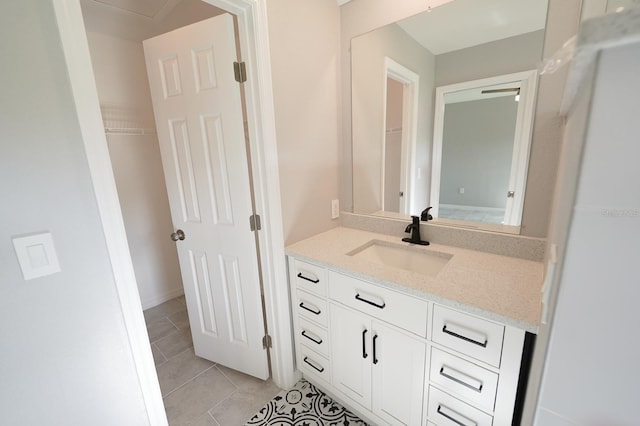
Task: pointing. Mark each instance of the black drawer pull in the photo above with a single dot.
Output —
(317, 342)
(458, 380)
(309, 309)
(319, 370)
(375, 360)
(316, 281)
(364, 344)
(465, 338)
(450, 415)
(358, 297)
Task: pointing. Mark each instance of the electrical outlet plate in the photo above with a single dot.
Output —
(335, 209)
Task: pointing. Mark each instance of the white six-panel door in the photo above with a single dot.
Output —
(198, 113)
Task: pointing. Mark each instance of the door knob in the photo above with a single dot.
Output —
(178, 235)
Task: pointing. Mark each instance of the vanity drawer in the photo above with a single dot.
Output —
(310, 277)
(313, 365)
(470, 382)
(313, 336)
(312, 307)
(445, 410)
(398, 309)
(467, 334)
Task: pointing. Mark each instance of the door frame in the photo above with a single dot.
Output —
(254, 45)
(528, 81)
(410, 89)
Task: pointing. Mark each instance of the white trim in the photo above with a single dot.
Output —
(164, 297)
(85, 95)
(410, 83)
(254, 44)
(252, 22)
(522, 139)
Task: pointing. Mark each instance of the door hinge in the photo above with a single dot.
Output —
(240, 71)
(254, 222)
(266, 342)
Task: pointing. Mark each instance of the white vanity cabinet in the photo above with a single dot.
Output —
(397, 359)
(373, 360)
(474, 370)
(310, 315)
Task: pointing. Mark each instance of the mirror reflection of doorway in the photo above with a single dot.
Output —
(477, 149)
(393, 193)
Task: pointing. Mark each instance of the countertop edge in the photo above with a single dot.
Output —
(523, 325)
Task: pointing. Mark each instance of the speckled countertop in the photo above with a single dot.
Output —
(501, 288)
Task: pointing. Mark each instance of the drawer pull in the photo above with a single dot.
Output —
(358, 297)
(309, 309)
(456, 331)
(364, 344)
(316, 281)
(461, 378)
(319, 370)
(375, 360)
(455, 417)
(316, 341)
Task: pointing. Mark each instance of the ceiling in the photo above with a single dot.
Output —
(464, 23)
(138, 20)
(455, 25)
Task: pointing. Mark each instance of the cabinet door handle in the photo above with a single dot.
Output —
(316, 281)
(358, 297)
(316, 341)
(375, 359)
(455, 331)
(461, 378)
(319, 370)
(455, 417)
(364, 344)
(309, 309)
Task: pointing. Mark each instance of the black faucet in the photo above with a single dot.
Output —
(414, 228)
(425, 215)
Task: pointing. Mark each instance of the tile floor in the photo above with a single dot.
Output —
(196, 391)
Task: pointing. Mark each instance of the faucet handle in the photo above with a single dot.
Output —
(425, 215)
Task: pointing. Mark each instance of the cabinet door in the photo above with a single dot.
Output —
(398, 365)
(351, 356)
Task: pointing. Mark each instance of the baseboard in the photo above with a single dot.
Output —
(150, 303)
(473, 208)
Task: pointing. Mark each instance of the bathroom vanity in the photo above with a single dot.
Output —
(413, 335)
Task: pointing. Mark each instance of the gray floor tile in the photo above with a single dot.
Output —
(158, 358)
(204, 420)
(193, 400)
(160, 328)
(241, 405)
(180, 369)
(248, 383)
(163, 310)
(175, 343)
(180, 319)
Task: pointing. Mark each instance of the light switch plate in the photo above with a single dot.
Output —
(36, 255)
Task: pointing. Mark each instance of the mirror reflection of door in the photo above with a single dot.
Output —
(478, 140)
(393, 192)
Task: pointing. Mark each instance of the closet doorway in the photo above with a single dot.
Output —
(205, 169)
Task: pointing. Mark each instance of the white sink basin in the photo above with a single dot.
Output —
(421, 261)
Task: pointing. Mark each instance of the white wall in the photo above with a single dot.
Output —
(506, 56)
(368, 111)
(65, 356)
(591, 371)
(304, 37)
(121, 80)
